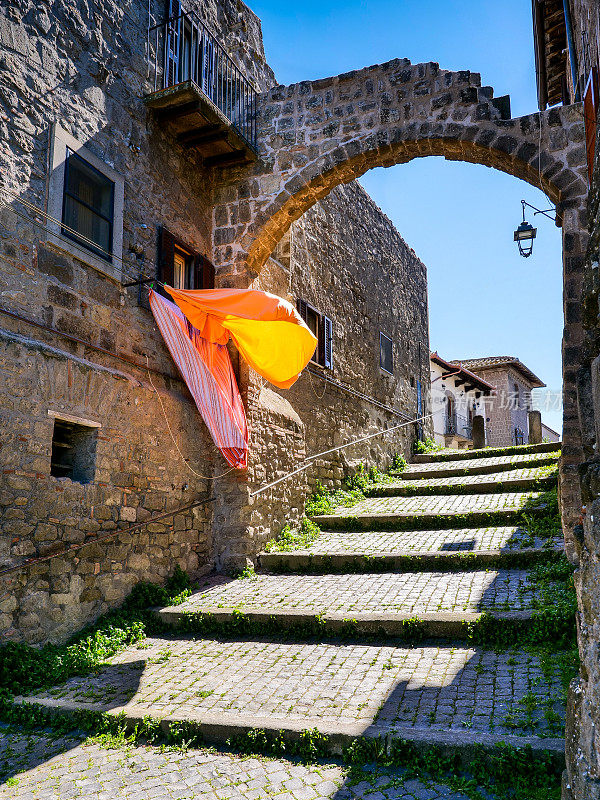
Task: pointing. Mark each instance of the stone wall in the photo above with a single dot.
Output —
(346, 259)
(583, 721)
(138, 475)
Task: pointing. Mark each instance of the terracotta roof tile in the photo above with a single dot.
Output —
(488, 362)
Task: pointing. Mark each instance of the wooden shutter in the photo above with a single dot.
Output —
(590, 113)
(302, 308)
(172, 45)
(204, 273)
(166, 259)
(326, 338)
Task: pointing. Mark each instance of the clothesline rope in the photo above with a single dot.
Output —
(110, 534)
(308, 461)
(183, 458)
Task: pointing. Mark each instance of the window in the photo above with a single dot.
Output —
(85, 203)
(386, 354)
(74, 450)
(321, 327)
(182, 267)
(516, 396)
(88, 206)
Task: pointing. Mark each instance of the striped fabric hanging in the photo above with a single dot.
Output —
(206, 368)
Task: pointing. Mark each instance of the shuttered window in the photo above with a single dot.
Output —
(321, 327)
(182, 267)
(386, 353)
(590, 112)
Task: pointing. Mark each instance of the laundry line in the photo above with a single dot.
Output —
(69, 550)
(308, 461)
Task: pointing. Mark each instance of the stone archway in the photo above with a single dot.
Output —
(316, 135)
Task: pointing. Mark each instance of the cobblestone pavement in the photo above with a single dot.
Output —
(469, 463)
(531, 473)
(438, 688)
(440, 504)
(69, 769)
(445, 693)
(409, 593)
(451, 540)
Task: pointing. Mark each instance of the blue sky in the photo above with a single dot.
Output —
(484, 299)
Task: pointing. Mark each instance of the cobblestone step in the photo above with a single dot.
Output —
(509, 481)
(477, 466)
(441, 511)
(452, 696)
(391, 604)
(459, 455)
(319, 563)
(69, 767)
(462, 540)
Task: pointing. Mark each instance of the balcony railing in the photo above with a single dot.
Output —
(458, 426)
(181, 49)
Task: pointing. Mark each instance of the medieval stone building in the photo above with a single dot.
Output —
(109, 177)
(137, 142)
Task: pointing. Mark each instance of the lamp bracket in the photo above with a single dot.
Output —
(537, 211)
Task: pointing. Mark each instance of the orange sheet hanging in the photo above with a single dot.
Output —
(267, 330)
(206, 368)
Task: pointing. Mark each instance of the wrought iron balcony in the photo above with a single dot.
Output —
(458, 426)
(200, 92)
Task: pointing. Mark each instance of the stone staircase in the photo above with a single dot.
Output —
(366, 631)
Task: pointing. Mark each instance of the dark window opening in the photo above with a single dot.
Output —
(181, 267)
(322, 328)
(516, 396)
(386, 354)
(73, 451)
(88, 206)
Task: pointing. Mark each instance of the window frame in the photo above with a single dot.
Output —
(90, 428)
(383, 336)
(199, 268)
(323, 354)
(61, 143)
(69, 232)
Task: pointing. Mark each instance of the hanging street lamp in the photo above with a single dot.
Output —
(526, 233)
(524, 236)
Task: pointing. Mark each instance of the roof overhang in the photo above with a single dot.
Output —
(518, 366)
(462, 376)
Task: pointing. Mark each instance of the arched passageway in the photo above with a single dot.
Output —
(315, 135)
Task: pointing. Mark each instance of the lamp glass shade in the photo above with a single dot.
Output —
(525, 231)
(524, 236)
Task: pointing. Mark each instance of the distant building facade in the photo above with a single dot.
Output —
(549, 435)
(457, 397)
(507, 411)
